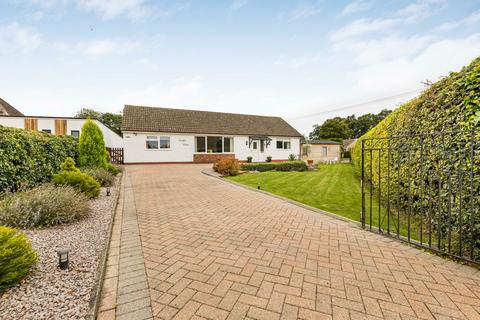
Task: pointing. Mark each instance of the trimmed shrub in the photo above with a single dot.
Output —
(275, 166)
(91, 146)
(102, 176)
(43, 206)
(17, 257)
(227, 167)
(30, 158)
(269, 159)
(449, 105)
(113, 169)
(249, 159)
(73, 177)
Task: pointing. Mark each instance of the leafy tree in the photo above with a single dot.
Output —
(88, 113)
(91, 146)
(334, 129)
(331, 128)
(111, 120)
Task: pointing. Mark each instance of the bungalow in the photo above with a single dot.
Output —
(11, 117)
(163, 135)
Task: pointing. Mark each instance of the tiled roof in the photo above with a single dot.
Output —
(320, 142)
(150, 119)
(7, 110)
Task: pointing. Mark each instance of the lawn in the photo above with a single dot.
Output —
(334, 188)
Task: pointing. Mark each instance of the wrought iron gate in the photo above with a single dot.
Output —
(424, 189)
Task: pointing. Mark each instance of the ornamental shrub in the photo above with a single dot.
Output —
(450, 105)
(249, 159)
(101, 175)
(16, 257)
(29, 158)
(43, 206)
(113, 169)
(275, 166)
(77, 179)
(269, 159)
(227, 167)
(91, 146)
(292, 157)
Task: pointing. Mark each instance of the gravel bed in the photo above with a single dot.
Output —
(51, 293)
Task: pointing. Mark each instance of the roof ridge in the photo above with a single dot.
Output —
(195, 110)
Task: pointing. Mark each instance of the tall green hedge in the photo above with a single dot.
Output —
(29, 158)
(426, 153)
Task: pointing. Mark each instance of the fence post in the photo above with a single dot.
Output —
(363, 185)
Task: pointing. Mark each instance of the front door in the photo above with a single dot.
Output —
(258, 150)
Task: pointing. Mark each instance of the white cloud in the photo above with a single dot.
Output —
(419, 10)
(15, 38)
(354, 7)
(470, 20)
(179, 92)
(238, 4)
(362, 27)
(106, 47)
(109, 9)
(304, 12)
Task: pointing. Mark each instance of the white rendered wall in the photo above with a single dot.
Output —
(112, 139)
(11, 122)
(182, 148)
(135, 150)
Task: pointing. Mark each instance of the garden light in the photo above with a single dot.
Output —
(108, 191)
(63, 258)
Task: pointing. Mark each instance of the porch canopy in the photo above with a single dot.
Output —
(259, 137)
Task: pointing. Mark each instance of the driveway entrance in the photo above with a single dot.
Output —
(213, 250)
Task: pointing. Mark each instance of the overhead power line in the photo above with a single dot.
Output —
(352, 106)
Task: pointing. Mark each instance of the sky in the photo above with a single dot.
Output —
(305, 61)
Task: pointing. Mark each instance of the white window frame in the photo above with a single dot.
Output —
(324, 154)
(232, 149)
(283, 140)
(160, 138)
(151, 138)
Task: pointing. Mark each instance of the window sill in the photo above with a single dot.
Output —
(170, 149)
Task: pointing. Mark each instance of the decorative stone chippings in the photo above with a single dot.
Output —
(51, 293)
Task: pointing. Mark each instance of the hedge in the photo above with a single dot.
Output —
(275, 166)
(450, 105)
(29, 158)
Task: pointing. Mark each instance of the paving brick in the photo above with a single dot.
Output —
(188, 246)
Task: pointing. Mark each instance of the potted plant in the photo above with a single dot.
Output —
(269, 159)
(249, 159)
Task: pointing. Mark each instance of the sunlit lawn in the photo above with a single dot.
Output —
(334, 188)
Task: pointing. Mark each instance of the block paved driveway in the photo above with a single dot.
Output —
(219, 251)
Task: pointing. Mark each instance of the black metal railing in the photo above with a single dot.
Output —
(424, 189)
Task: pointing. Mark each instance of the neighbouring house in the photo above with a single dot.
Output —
(349, 144)
(321, 150)
(163, 135)
(7, 110)
(54, 125)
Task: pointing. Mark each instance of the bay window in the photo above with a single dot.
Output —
(213, 144)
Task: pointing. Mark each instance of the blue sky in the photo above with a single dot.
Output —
(295, 59)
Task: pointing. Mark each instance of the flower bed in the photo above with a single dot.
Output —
(50, 293)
